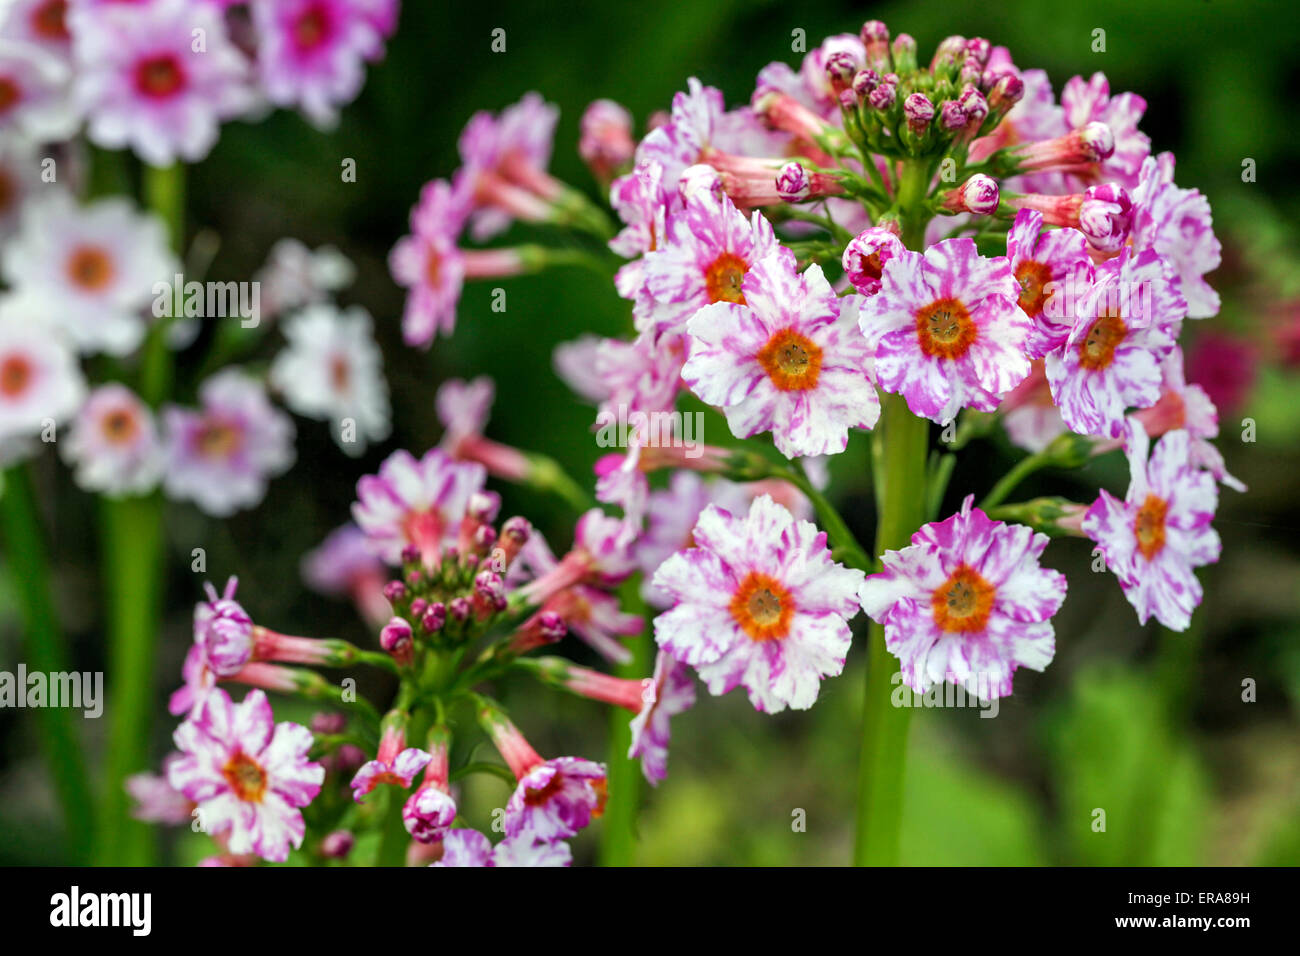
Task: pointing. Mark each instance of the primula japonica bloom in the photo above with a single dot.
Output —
(865, 257)
(1028, 413)
(91, 269)
(783, 361)
(312, 53)
(709, 248)
(1160, 533)
(221, 455)
(465, 848)
(759, 603)
(34, 96)
(156, 800)
(1090, 101)
(249, 775)
(605, 142)
(430, 810)
(332, 370)
(114, 444)
(295, 275)
(41, 22)
(642, 203)
(471, 848)
(967, 603)
(343, 564)
(1176, 223)
(946, 329)
(40, 380)
(1124, 326)
(1043, 262)
(144, 83)
(463, 408)
(415, 503)
(395, 763)
(224, 630)
(672, 693)
(601, 555)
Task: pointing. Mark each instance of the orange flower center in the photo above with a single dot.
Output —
(15, 375)
(536, 796)
(340, 373)
(246, 777)
(433, 269)
(762, 607)
(90, 267)
(1034, 278)
(791, 360)
(217, 439)
(119, 426)
(159, 76)
(10, 94)
(49, 20)
(1149, 526)
(1104, 336)
(945, 329)
(311, 28)
(963, 603)
(723, 277)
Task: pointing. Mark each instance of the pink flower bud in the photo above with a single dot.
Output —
(1106, 216)
(866, 254)
(977, 195)
(919, 112)
(396, 640)
(792, 183)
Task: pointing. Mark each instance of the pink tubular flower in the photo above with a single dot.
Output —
(710, 247)
(605, 140)
(946, 330)
(781, 360)
(1123, 329)
(395, 763)
(113, 443)
(465, 848)
(865, 257)
(221, 455)
(1078, 150)
(312, 53)
(416, 503)
(1104, 214)
(968, 603)
(505, 159)
(977, 196)
(248, 775)
(601, 555)
(554, 798)
(343, 565)
(471, 848)
(143, 84)
(428, 263)
(671, 692)
(1028, 413)
(430, 810)
(1176, 223)
(156, 800)
(1160, 533)
(1090, 101)
(463, 409)
(760, 603)
(1043, 262)
(224, 630)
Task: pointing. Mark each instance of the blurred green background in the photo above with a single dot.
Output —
(1149, 726)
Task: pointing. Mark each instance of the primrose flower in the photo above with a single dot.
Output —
(249, 775)
(221, 455)
(1124, 326)
(1176, 223)
(865, 257)
(1085, 101)
(946, 329)
(295, 275)
(1043, 262)
(156, 800)
(463, 408)
(671, 692)
(430, 810)
(967, 603)
(415, 503)
(1160, 533)
(783, 361)
(142, 83)
(395, 763)
(113, 443)
(40, 379)
(34, 95)
(760, 603)
(92, 269)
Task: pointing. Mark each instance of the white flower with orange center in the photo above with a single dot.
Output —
(784, 361)
(40, 381)
(249, 775)
(1124, 327)
(91, 269)
(758, 602)
(967, 603)
(113, 444)
(1160, 533)
(946, 329)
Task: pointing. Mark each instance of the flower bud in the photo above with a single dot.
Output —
(337, 845)
(951, 116)
(904, 47)
(882, 97)
(792, 183)
(977, 195)
(864, 81)
(396, 640)
(840, 68)
(434, 618)
(1106, 216)
(394, 591)
(605, 142)
(919, 111)
(866, 254)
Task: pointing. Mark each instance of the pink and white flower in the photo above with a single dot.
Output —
(865, 257)
(967, 603)
(395, 763)
(1176, 223)
(1043, 263)
(671, 692)
(156, 800)
(759, 603)
(40, 380)
(332, 370)
(465, 848)
(783, 361)
(1085, 101)
(946, 329)
(249, 775)
(471, 848)
(415, 503)
(312, 53)
(224, 630)
(35, 102)
(295, 275)
(1160, 533)
(343, 564)
(222, 454)
(91, 269)
(144, 83)
(114, 444)
(1124, 326)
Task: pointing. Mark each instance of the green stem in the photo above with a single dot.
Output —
(902, 441)
(618, 836)
(131, 554)
(164, 193)
(1008, 482)
(844, 544)
(46, 653)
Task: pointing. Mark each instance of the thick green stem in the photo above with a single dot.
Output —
(618, 835)
(901, 451)
(45, 653)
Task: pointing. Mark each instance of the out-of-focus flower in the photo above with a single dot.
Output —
(295, 275)
(40, 381)
(113, 443)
